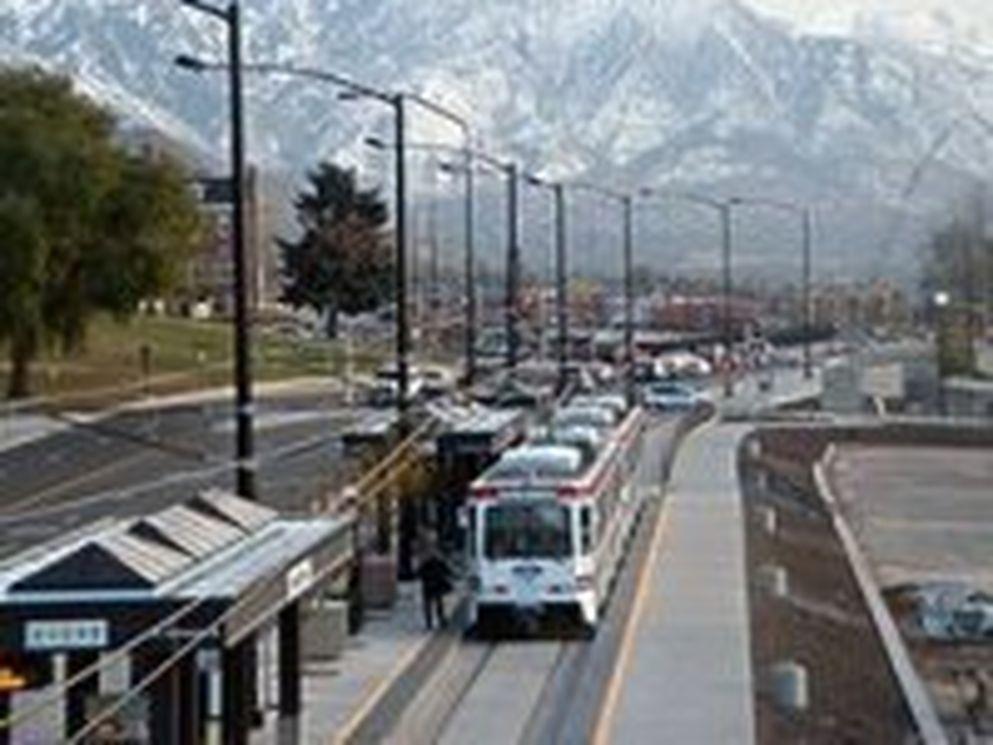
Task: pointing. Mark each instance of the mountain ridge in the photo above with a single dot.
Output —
(711, 95)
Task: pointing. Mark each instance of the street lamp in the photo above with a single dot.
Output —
(353, 90)
(470, 261)
(513, 278)
(396, 101)
(244, 408)
(724, 211)
(627, 211)
(942, 300)
(561, 273)
(804, 213)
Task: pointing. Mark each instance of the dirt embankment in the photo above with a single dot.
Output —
(821, 622)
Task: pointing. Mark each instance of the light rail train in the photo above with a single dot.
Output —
(549, 523)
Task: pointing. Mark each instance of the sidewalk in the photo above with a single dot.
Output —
(685, 669)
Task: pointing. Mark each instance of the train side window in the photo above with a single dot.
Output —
(586, 530)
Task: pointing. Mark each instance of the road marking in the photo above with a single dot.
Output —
(34, 498)
(605, 721)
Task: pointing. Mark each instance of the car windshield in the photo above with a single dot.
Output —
(517, 530)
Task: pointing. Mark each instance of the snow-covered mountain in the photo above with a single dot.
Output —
(707, 94)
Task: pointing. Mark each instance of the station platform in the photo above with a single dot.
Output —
(684, 672)
(338, 694)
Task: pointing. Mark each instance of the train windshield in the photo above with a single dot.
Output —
(535, 530)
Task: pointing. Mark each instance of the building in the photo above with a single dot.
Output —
(705, 313)
(210, 276)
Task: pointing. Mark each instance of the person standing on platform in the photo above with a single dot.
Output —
(436, 583)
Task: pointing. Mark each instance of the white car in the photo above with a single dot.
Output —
(685, 365)
(386, 386)
(672, 397)
(437, 382)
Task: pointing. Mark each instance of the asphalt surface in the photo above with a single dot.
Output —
(139, 462)
(922, 514)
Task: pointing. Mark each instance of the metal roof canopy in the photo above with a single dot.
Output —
(100, 586)
(485, 433)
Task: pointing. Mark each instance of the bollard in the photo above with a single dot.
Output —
(769, 519)
(762, 480)
(775, 580)
(790, 686)
(754, 448)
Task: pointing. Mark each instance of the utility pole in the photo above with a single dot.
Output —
(808, 330)
(725, 209)
(403, 322)
(243, 341)
(628, 205)
(244, 404)
(470, 269)
(513, 269)
(408, 510)
(561, 284)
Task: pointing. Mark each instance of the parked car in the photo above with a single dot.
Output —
(386, 385)
(667, 396)
(685, 365)
(437, 382)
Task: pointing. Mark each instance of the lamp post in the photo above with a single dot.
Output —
(513, 269)
(557, 190)
(512, 283)
(471, 305)
(396, 101)
(804, 213)
(469, 229)
(244, 404)
(942, 300)
(724, 209)
(626, 203)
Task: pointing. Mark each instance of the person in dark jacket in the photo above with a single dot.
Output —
(436, 582)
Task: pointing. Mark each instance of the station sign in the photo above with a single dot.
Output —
(71, 634)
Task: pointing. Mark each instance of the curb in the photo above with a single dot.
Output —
(918, 699)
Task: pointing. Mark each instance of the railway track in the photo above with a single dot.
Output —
(522, 692)
(486, 693)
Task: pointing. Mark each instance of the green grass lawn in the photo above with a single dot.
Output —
(184, 355)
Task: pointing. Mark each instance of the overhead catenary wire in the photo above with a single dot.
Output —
(281, 454)
(106, 660)
(119, 653)
(210, 630)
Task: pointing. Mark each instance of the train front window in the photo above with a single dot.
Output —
(538, 530)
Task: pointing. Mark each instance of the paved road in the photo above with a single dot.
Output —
(140, 461)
